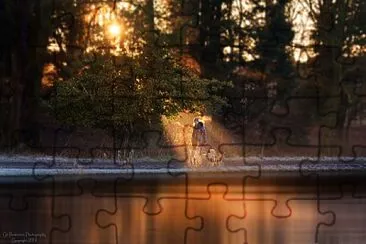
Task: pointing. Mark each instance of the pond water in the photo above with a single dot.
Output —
(182, 209)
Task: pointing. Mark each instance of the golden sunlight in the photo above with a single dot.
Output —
(109, 26)
(179, 133)
(48, 74)
(114, 30)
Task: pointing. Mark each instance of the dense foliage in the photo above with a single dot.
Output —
(123, 91)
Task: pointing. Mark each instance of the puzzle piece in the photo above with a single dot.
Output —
(258, 216)
(332, 181)
(156, 226)
(81, 209)
(349, 225)
(215, 211)
(26, 185)
(39, 221)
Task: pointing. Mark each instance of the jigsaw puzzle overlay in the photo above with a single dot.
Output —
(181, 121)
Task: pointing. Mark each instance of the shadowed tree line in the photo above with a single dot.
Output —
(228, 58)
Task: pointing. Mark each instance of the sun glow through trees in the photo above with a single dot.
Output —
(114, 30)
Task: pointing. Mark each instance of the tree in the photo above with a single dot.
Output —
(274, 38)
(22, 56)
(340, 28)
(122, 93)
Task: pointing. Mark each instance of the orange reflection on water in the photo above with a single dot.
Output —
(160, 212)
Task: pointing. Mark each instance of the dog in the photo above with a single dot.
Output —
(212, 155)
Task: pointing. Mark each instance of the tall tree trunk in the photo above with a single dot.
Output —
(17, 79)
(23, 67)
(32, 79)
(210, 24)
(150, 15)
(330, 37)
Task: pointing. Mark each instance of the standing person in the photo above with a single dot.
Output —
(199, 136)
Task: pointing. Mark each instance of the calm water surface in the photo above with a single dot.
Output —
(182, 209)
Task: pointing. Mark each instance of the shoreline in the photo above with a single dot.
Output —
(59, 166)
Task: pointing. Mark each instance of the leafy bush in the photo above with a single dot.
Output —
(121, 92)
